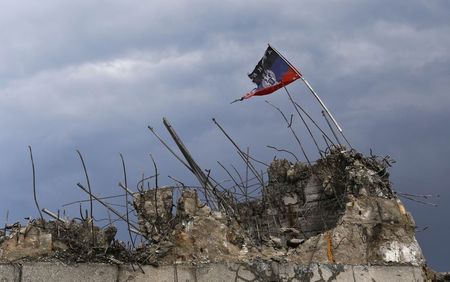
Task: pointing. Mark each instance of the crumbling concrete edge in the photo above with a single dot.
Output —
(255, 271)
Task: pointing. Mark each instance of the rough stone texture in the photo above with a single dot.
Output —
(29, 241)
(185, 273)
(155, 210)
(200, 235)
(163, 274)
(45, 272)
(295, 198)
(216, 273)
(9, 273)
(372, 230)
(43, 239)
(223, 272)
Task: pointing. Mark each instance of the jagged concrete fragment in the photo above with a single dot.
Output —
(372, 230)
(296, 199)
(189, 205)
(155, 211)
(27, 242)
(193, 233)
(44, 239)
(201, 235)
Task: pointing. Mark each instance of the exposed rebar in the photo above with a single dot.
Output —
(126, 198)
(304, 122)
(292, 131)
(156, 171)
(105, 205)
(284, 150)
(34, 186)
(91, 206)
(243, 156)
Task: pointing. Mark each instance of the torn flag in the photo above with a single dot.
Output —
(271, 73)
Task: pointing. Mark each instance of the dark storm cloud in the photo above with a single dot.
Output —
(93, 74)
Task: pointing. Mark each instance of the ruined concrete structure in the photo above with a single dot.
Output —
(338, 219)
(341, 210)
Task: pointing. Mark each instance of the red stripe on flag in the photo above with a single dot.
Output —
(287, 78)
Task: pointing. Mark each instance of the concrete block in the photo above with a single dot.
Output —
(47, 272)
(348, 274)
(151, 273)
(218, 273)
(396, 273)
(9, 273)
(244, 274)
(286, 272)
(185, 273)
(387, 273)
(30, 242)
(314, 272)
(221, 272)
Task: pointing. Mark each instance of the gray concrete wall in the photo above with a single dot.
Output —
(208, 272)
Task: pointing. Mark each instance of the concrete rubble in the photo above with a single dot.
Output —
(342, 210)
(73, 241)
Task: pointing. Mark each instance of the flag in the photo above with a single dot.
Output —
(271, 73)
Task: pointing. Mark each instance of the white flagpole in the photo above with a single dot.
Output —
(321, 103)
(310, 89)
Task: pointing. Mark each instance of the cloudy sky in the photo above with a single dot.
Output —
(92, 75)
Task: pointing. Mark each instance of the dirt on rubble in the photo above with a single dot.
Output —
(342, 209)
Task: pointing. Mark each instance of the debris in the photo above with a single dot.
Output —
(318, 211)
(294, 243)
(341, 210)
(71, 240)
(27, 241)
(155, 211)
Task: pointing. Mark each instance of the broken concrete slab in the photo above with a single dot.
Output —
(71, 240)
(151, 273)
(10, 272)
(212, 272)
(202, 236)
(45, 272)
(29, 241)
(155, 211)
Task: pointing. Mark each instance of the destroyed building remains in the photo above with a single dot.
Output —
(340, 210)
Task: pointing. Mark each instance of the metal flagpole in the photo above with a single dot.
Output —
(321, 103)
(331, 128)
(310, 89)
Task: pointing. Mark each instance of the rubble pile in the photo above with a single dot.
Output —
(155, 213)
(348, 171)
(342, 210)
(301, 201)
(193, 233)
(72, 241)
